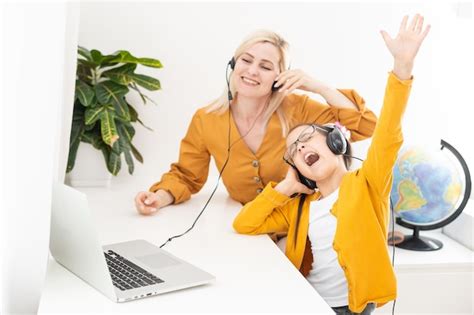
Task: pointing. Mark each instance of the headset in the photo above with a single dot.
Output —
(336, 143)
(231, 63)
(335, 140)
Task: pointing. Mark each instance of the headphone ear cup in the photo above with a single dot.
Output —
(232, 63)
(336, 141)
(274, 88)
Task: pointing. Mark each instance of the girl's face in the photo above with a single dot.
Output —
(307, 148)
(256, 69)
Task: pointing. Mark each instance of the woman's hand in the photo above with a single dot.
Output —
(148, 202)
(405, 46)
(291, 185)
(290, 80)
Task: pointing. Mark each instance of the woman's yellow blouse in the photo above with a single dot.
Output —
(246, 173)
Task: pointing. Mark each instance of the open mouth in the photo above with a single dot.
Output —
(311, 158)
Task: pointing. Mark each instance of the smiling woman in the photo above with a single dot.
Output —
(244, 128)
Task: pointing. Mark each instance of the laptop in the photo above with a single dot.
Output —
(123, 271)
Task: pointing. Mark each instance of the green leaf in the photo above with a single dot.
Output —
(121, 107)
(93, 114)
(109, 91)
(90, 127)
(144, 97)
(87, 64)
(114, 163)
(141, 123)
(106, 153)
(93, 138)
(124, 56)
(135, 87)
(77, 130)
(133, 113)
(116, 147)
(84, 71)
(136, 154)
(147, 82)
(96, 56)
(84, 93)
(71, 160)
(126, 131)
(108, 127)
(84, 53)
(129, 160)
(121, 75)
(149, 62)
(108, 60)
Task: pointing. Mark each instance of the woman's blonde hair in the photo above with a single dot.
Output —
(221, 104)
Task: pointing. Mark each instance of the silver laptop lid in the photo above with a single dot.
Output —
(74, 242)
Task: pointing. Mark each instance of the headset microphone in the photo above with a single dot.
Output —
(231, 63)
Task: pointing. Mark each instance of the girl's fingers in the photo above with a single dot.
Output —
(413, 22)
(419, 25)
(386, 37)
(403, 25)
(425, 32)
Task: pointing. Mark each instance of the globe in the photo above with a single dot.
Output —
(430, 189)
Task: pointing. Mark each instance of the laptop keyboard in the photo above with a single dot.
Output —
(126, 275)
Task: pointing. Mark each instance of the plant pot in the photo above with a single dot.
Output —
(90, 169)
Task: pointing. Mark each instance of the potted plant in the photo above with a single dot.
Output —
(102, 116)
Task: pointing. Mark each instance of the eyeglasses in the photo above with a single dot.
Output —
(304, 136)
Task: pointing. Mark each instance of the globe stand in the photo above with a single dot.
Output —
(423, 243)
(419, 243)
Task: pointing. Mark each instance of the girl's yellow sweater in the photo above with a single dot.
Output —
(362, 211)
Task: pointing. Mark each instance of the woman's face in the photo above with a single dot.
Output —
(256, 69)
(313, 158)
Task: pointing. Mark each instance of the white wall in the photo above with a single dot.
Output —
(337, 43)
(36, 38)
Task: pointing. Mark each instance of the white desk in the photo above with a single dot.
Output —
(433, 282)
(252, 274)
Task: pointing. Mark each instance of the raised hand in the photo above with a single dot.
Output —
(406, 44)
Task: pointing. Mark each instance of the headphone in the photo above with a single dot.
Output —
(231, 64)
(335, 140)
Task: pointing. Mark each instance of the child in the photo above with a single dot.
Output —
(343, 223)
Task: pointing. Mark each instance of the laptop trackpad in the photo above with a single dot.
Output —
(157, 261)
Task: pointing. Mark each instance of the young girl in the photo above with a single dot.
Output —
(343, 223)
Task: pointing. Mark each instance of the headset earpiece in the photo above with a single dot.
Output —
(232, 63)
(336, 141)
(274, 88)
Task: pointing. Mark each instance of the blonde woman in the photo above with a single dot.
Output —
(257, 118)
